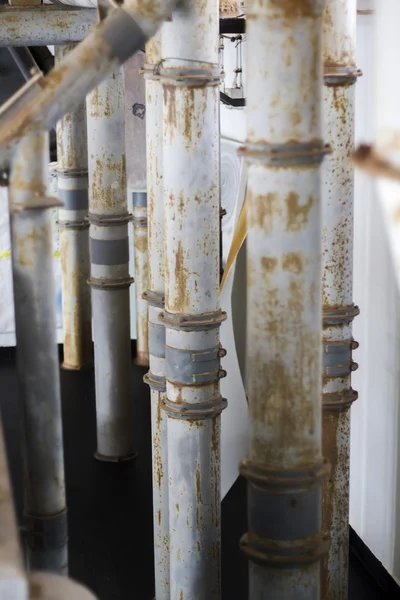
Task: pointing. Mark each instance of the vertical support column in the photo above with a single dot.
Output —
(340, 74)
(155, 297)
(110, 280)
(37, 355)
(284, 150)
(74, 233)
(139, 202)
(192, 315)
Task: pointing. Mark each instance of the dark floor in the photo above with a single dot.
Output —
(110, 505)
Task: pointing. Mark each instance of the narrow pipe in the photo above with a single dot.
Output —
(155, 297)
(107, 46)
(340, 75)
(44, 25)
(135, 127)
(284, 151)
(74, 234)
(192, 317)
(37, 355)
(110, 279)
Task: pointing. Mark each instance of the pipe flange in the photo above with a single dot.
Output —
(109, 220)
(341, 315)
(195, 412)
(284, 480)
(338, 401)
(110, 284)
(193, 322)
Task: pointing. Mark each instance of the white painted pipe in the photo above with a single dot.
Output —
(37, 355)
(340, 74)
(190, 75)
(155, 297)
(72, 172)
(44, 25)
(284, 151)
(110, 279)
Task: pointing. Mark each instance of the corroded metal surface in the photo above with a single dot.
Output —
(141, 283)
(74, 234)
(340, 74)
(155, 295)
(110, 279)
(191, 180)
(37, 355)
(284, 150)
(47, 25)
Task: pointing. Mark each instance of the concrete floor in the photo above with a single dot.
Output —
(110, 506)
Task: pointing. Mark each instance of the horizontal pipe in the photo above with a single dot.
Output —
(107, 46)
(44, 25)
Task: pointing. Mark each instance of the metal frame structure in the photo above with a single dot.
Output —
(284, 150)
(340, 75)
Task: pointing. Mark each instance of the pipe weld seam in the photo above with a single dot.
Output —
(156, 299)
(278, 554)
(156, 337)
(286, 155)
(109, 220)
(338, 401)
(341, 315)
(336, 358)
(109, 252)
(47, 532)
(194, 367)
(110, 284)
(199, 411)
(155, 382)
(202, 322)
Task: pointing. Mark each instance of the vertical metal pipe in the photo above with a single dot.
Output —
(155, 297)
(110, 280)
(340, 74)
(284, 151)
(74, 233)
(136, 179)
(37, 355)
(192, 315)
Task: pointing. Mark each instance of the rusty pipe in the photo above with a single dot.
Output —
(156, 330)
(340, 75)
(37, 355)
(109, 278)
(45, 100)
(284, 151)
(72, 175)
(190, 77)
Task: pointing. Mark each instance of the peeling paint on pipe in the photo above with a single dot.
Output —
(44, 25)
(155, 297)
(340, 74)
(37, 355)
(284, 150)
(110, 279)
(192, 316)
(74, 234)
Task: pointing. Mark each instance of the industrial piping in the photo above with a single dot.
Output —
(72, 170)
(37, 355)
(44, 100)
(110, 279)
(190, 76)
(340, 75)
(156, 303)
(284, 150)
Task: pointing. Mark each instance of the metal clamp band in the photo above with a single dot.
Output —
(156, 337)
(193, 322)
(336, 358)
(150, 72)
(286, 155)
(73, 225)
(193, 367)
(342, 315)
(73, 173)
(179, 75)
(156, 299)
(139, 221)
(155, 382)
(284, 479)
(47, 532)
(109, 220)
(110, 284)
(204, 410)
(339, 401)
(280, 554)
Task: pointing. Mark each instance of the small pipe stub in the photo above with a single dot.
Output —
(337, 75)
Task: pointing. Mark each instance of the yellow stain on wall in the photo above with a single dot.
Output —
(5, 254)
